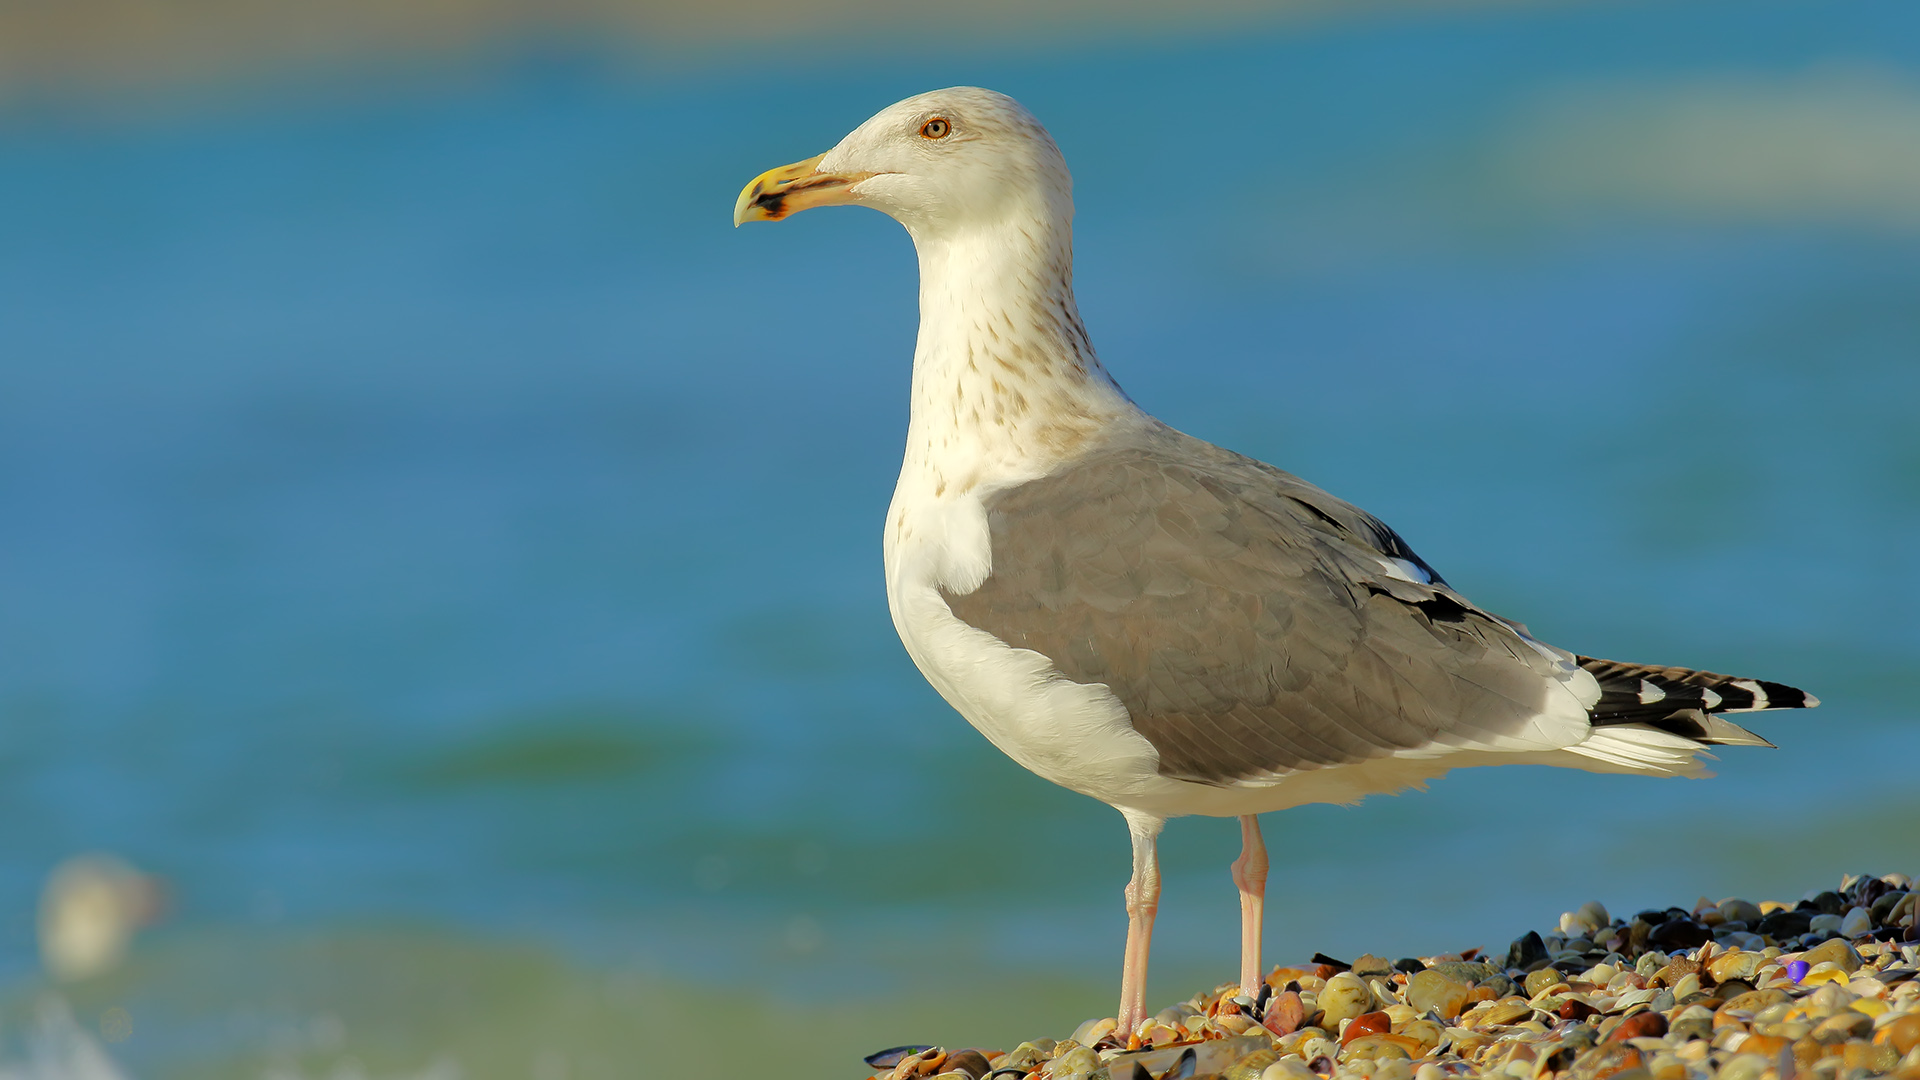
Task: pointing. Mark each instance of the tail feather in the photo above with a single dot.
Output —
(1686, 702)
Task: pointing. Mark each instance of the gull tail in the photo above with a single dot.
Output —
(1684, 702)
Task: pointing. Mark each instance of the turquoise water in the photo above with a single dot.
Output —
(448, 554)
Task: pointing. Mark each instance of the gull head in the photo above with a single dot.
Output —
(939, 163)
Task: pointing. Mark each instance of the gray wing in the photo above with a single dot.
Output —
(1248, 621)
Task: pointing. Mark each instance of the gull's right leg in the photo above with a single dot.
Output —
(1143, 900)
(1250, 874)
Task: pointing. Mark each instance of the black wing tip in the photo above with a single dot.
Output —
(1782, 696)
(1632, 693)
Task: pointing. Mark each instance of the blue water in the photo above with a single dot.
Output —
(442, 549)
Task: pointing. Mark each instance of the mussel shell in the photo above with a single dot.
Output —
(888, 1058)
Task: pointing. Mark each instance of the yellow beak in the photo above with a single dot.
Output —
(790, 189)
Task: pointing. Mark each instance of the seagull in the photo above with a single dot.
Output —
(1154, 621)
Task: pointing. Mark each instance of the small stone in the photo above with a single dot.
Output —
(1092, 1031)
(1573, 925)
(1617, 1061)
(1506, 1011)
(1424, 1032)
(1285, 1013)
(1745, 1066)
(1471, 972)
(1692, 1027)
(1630, 998)
(1734, 909)
(1575, 1009)
(1667, 1064)
(1782, 925)
(1835, 951)
(1749, 1004)
(1679, 934)
(1313, 1049)
(1903, 1034)
(1288, 1068)
(1540, 980)
(1827, 903)
(970, 1063)
(1344, 998)
(1527, 951)
(1593, 915)
(1797, 969)
(1370, 964)
(1843, 1025)
(1882, 909)
(1857, 923)
(1027, 1055)
(1824, 924)
(1869, 1057)
(1379, 1047)
(1373, 1023)
(1806, 1052)
(1431, 991)
(1499, 985)
(1176, 1013)
(1234, 1024)
(1079, 1063)
(1735, 964)
(1644, 1025)
(1156, 1033)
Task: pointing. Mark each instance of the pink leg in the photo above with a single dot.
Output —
(1143, 900)
(1250, 874)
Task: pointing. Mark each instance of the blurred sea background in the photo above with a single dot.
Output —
(447, 556)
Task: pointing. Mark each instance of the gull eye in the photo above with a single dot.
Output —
(936, 128)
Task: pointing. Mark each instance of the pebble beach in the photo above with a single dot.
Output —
(1823, 987)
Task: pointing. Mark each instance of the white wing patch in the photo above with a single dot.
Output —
(1405, 570)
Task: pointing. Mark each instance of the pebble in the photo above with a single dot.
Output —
(1735, 964)
(1540, 980)
(1432, 991)
(1827, 988)
(1857, 923)
(1343, 998)
(1836, 952)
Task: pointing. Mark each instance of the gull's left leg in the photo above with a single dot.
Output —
(1250, 874)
